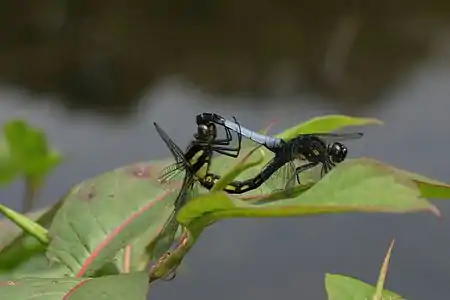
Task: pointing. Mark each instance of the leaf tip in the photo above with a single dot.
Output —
(383, 273)
(434, 210)
(375, 121)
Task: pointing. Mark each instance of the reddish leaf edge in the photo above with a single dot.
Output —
(74, 288)
(115, 232)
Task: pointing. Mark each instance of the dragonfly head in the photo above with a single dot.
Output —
(206, 132)
(337, 152)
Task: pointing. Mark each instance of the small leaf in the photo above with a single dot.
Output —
(341, 287)
(326, 124)
(8, 172)
(28, 225)
(383, 272)
(29, 150)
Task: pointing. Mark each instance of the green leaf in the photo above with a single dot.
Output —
(102, 215)
(134, 256)
(28, 225)
(429, 188)
(38, 288)
(346, 288)
(9, 231)
(326, 124)
(35, 266)
(28, 149)
(378, 295)
(7, 169)
(353, 186)
(17, 246)
(132, 286)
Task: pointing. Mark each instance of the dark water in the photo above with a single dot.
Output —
(405, 84)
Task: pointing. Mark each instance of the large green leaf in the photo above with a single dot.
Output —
(36, 265)
(353, 186)
(38, 288)
(135, 255)
(132, 286)
(104, 214)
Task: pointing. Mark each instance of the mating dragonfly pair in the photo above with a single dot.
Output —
(313, 149)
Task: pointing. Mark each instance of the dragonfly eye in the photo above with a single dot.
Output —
(337, 152)
(202, 132)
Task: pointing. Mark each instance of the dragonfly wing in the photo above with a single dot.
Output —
(170, 228)
(339, 136)
(177, 153)
(290, 176)
(181, 164)
(166, 236)
(172, 172)
(279, 179)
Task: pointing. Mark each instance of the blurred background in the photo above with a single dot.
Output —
(95, 75)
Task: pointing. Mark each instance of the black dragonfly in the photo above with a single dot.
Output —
(314, 148)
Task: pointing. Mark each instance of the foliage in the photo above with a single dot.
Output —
(98, 238)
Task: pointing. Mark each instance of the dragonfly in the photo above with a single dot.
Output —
(194, 163)
(326, 149)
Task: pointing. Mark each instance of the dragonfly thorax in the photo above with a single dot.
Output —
(309, 148)
(337, 152)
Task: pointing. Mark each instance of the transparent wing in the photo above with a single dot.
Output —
(280, 178)
(291, 177)
(172, 172)
(181, 164)
(177, 153)
(166, 237)
(338, 136)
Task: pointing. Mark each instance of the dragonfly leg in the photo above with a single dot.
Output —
(226, 141)
(218, 148)
(328, 165)
(229, 138)
(224, 151)
(304, 168)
